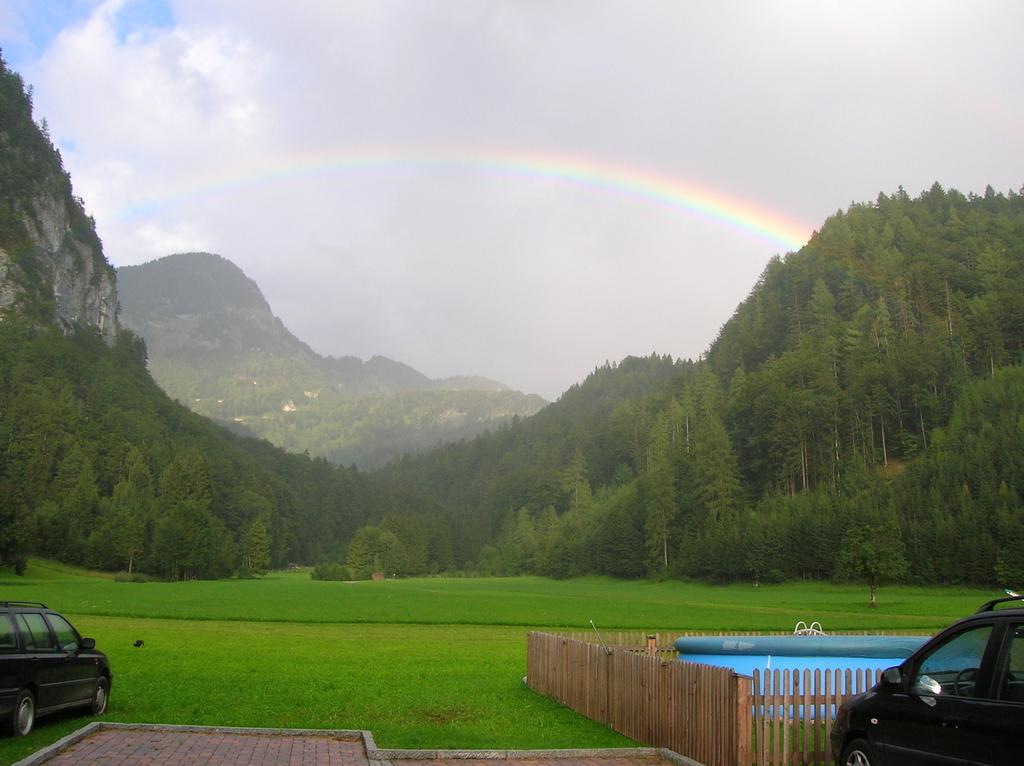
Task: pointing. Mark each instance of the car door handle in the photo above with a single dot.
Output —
(951, 723)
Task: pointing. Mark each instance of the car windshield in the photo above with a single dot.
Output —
(951, 668)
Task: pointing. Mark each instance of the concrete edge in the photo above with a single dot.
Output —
(54, 749)
(679, 760)
(385, 756)
(45, 754)
(353, 734)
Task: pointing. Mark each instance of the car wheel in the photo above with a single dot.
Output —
(100, 696)
(23, 717)
(858, 752)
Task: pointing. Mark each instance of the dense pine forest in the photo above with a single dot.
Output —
(860, 415)
(98, 467)
(862, 410)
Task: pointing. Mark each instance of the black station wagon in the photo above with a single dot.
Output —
(959, 699)
(46, 666)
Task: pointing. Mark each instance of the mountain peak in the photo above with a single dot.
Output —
(188, 283)
(215, 344)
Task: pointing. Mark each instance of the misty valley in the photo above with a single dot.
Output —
(857, 418)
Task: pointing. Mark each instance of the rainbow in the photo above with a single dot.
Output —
(631, 181)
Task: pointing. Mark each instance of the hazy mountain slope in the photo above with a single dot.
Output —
(97, 465)
(215, 345)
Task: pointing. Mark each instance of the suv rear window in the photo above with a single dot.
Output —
(67, 639)
(8, 638)
(34, 633)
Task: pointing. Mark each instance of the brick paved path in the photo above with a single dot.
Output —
(148, 745)
(127, 747)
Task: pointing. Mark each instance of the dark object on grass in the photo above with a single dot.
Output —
(138, 643)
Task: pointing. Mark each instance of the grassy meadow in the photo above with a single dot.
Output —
(422, 663)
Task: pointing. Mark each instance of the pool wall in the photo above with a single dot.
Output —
(744, 654)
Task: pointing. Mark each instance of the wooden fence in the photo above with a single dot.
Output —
(710, 714)
(696, 710)
(793, 713)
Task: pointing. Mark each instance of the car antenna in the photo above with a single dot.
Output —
(600, 640)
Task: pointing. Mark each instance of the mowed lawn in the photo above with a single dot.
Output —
(525, 601)
(433, 663)
(412, 685)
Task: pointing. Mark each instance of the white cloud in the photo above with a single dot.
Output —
(179, 238)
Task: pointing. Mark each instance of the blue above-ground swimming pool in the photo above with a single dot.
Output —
(744, 654)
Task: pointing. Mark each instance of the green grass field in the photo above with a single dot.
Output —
(422, 663)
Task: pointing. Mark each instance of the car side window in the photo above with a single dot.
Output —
(8, 638)
(35, 635)
(951, 668)
(67, 637)
(1011, 685)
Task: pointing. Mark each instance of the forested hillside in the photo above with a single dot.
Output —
(474, 486)
(868, 395)
(215, 345)
(101, 469)
(97, 465)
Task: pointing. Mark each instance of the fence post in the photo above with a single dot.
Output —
(741, 687)
(652, 646)
(607, 716)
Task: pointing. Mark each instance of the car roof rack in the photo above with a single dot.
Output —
(33, 604)
(989, 606)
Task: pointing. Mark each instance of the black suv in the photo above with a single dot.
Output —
(959, 699)
(46, 666)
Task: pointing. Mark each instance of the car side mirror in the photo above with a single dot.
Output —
(87, 645)
(892, 677)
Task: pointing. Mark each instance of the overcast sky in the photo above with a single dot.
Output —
(466, 185)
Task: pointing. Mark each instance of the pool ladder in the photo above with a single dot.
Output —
(803, 629)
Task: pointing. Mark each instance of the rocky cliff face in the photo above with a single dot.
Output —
(52, 267)
(82, 284)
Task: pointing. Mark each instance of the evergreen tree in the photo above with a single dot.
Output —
(658, 492)
(256, 549)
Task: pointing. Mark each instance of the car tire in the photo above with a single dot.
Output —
(858, 752)
(23, 717)
(100, 696)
